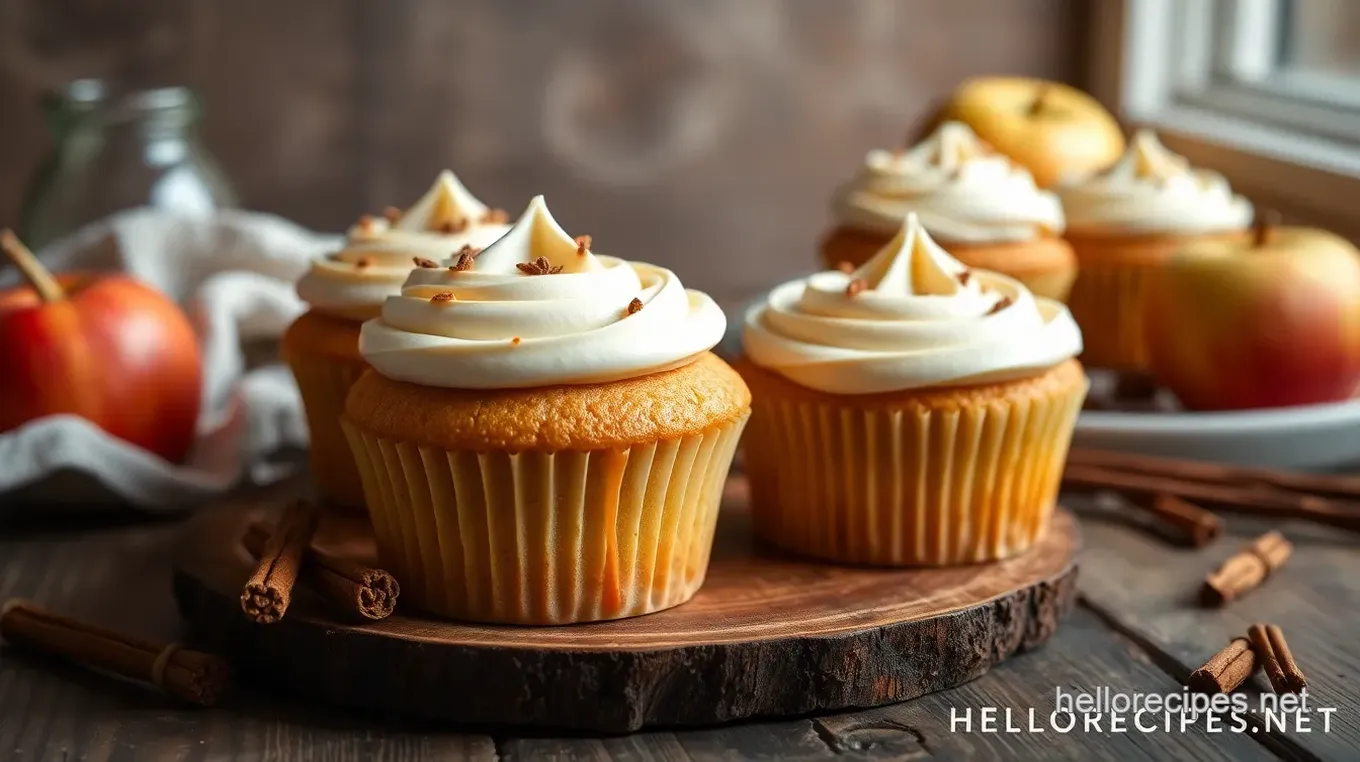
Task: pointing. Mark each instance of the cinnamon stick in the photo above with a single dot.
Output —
(1273, 653)
(351, 587)
(1226, 669)
(1336, 486)
(1246, 570)
(191, 676)
(269, 590)
(1256, 500)
(1181, 520)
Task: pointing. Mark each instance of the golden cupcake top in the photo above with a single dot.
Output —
(537, 308)
(1152, 190)
(911, 317)
(379, 252)
(960, 187)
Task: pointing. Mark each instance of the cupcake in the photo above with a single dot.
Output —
(982, 206)
(1124, 223)
(911, 412)
(544, 434)
(348, 287)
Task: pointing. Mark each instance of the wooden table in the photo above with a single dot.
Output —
(1137, 629)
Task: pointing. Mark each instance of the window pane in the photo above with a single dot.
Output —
(1323, 36)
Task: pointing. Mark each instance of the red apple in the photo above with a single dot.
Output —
(104, 347)
(1268, 322)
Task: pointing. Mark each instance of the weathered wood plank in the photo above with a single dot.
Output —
(1083, 655)
(1149, 590)
(54, 711)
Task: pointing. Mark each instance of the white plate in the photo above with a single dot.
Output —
(1311, 437)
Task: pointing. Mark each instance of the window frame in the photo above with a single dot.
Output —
(1204, 74)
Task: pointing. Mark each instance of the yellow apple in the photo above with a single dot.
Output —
(1054, 130)
(1271, 321)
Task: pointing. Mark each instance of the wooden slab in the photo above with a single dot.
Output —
(769, 634)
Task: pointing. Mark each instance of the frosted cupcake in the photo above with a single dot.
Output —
(912, 412)
(1124, 223)
(348, 287)
(982, 206)
(544, 436)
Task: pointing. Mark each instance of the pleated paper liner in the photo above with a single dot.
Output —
(909, 487)
(1107, 303)
(323, 383)
(546, 537)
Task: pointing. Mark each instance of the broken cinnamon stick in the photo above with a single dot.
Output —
(1226, 669)
(351, 587)
(191, 676)
(1273, 653)
(1337, 486)
(1181, 520)
(1223, 496)
(269, 590)
(1246, 570)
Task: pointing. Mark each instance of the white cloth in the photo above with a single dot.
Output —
(233, 273)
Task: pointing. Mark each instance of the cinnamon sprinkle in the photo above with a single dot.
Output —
(964, 277)
(515, 341)
(423, 262)
(443, 296)
(635, 306)
(453, 226)
(392, 213)
(582, 244)
(845, 267)
(855, 287)
(540, 266)
(464, 262)
(362, 262)
(1001, 305)
(495, 217)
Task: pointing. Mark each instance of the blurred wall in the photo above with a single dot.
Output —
(704, 135)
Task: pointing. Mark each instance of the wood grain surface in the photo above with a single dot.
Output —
(1148, 591)
(118, 572)
(769, 634)
(703, 136)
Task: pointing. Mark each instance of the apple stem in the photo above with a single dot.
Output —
(42, 281)
(1266, 220)
(1040, 99)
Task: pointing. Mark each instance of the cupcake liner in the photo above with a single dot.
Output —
(323, 383)
(1107, 303)
(908, 487)
(546, 537)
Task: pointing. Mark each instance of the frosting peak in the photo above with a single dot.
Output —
(920, 318)
(912, 265)
(538, 308)
(962, 188)
(1153, 190)
(536, 234)
(378, 254)
(444, 208)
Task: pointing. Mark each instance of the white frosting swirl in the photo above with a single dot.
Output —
(963, 190)
(1152, 190)
(921, 319)
(494, 326)
(378, 255)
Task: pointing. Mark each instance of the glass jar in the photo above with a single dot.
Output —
(117, 151)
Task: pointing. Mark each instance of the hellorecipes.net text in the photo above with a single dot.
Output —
(1108, 710)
